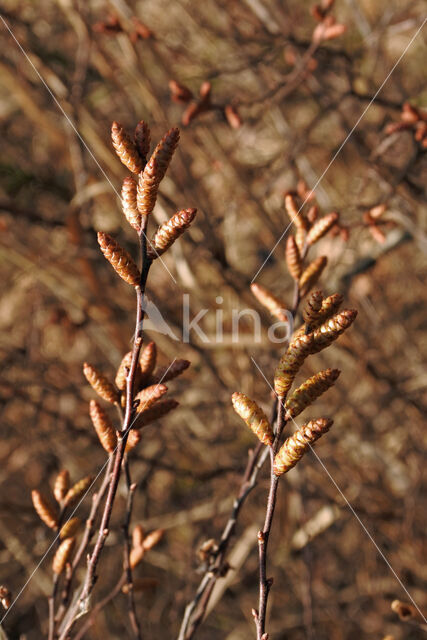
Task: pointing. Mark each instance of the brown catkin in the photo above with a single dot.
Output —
(125, 148)
(173, 370)
(121, 374)
(100, 384)
(152, 539)
(312, 308)
(44, 510)
(147, 360)
(321, 227)
(274, 305)
(324, 335)
(119, 259)
(298, 219)
(293, 258)
(291, 362)
(103, 427)
(254, 417)
(163, 153)
(135, 556)
(330, 305)
(130, 208)
(149, 396)
(311, 274)
(311, 389)
(147, 188)
(62, 484)
(134, 438)
(298, 444)
(171, 231)
(62, 555)
(157, 411)
(142, 140)
(137, 535)
(77, 490)
(69, 528)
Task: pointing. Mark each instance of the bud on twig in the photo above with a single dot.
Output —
(321, 227)
(312, 273)
(291, 362)
(99, 383)
(298, 444)
(44, 510)
(179, 92)
(125, 148)
(77, 491)
(119, 259)
(311, 389)
(254, 417)
(334, 327)
(293, 258)
(103, 427)
(130, 208)
(275, 306)
(62, 555)
(170, 231)
(62, 484)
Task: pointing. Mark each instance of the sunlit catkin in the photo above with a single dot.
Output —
(125, 148)
(119, 259)
(138, 535)
(298, 444)
(163, 153)
(297, 218)
(254, 417)
(330, 306)
(147, 187)
(99, 383)
(69, 529)
(149, 396)
(147, 360)
(157, 411)
(290, 363)
(312, 274)
(312, 308)
(103, 427)
(324, 335)
(142, 140)
(134, 438)
(293, 258)
(311, 389)
(77, 491)
(130, 208)
(44, 510)
(122, 371)
(321, 227)
(171, 231)
(62, 484)
(274, 305)
(152, 539)
(63, 555)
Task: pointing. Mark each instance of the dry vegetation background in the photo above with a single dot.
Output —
(62, 304)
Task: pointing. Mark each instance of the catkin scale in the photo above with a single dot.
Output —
(119, 259)
(103, 427)
(321, 227)
(125, 148)
(254, 417)
(99, 383)
(311, 274)
(324, 335)
(44, 510)
(77, 490)
(62, 484)
(309, 391)
(149, 396)
(142, 140)
(298, 444)
(274, 305)
(62, 555)
(290, 363)
(130, 208)
(293, 258)
(171, 231)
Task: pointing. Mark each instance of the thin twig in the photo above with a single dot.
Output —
(126, 564)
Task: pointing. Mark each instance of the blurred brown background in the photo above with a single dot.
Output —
(61, 303)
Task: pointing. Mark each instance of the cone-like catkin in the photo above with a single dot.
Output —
(125, 148)
(99, 383)
(312, 273)
(121, 374)
(152, 539)
(149, 396)
(147, 360)
(164, 374)
(62, 484)
(170, 231)
(311, 389)
(134, 438)
(69, 528)
(147, 188)
(291, 362)
(324, 335)
(164, 151)
(254, 417)
(275, 306)
(129, 205)
(137, 535)
(62, 555)
(298, 219)
(157, 411)
(44, 510)
(293, 258)
(135, 556)
(142, 140)
(103, 427)
(77, 490)
(330, 305)
(298, 444)
(119, 259)
(321, 227)
(312, 308)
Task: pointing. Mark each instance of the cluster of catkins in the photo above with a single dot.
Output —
(323, 323)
